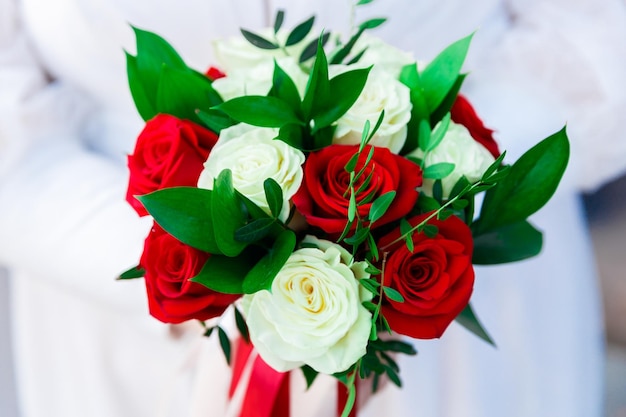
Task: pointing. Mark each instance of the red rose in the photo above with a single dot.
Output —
(172, 298)
(436, 279)
(169, 152)
(214, 74)
(463, 113)
(322, 197)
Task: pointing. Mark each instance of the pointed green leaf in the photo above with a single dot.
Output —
(255, 230)
(346, 88)
(531, 181)
(132, 273)
(185, 213)
(285, 89)
(225, 274)
(300, 31)
(309, 375)
(438, 171)
(380, 206)
(181, 93)
(143, 102)
(393, 295)
(263, 273)
(438, 133)
(258, 41)
(278, 22)
(227, 214)
(468, 319)
(317, 92)
(224, 343)
(345, 50)
(372, 23)
(441, 74)
(260, 111)
(241, 325)
(358, 237)
(311, 49)
(505, 244)
(448, 101)
(274, 196)
(214, 120)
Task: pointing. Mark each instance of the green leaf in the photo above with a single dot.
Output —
(441, 74)
(214, 120)
(468, 319)
(393, 295)
(278, 22)
(370, 285)
(181, 93)
(227, 214)
(309, 375)
(153, 47)
(438, 133)
(505, 244)
(132, 273)
(346, 88)
(263, 273)
(424, 134)
(362, 2)
(258, 41)
(209, 331)
(358, 237)
(380, 206)
(357, 57)
(352, 207)
(300, 31)
(372, 23)
(351, 164)
(448, 101)
(493, 167)
(430, 230)
(224, 343)
(291, 134)
(438, 191)
(311, 49)
(143, 102)
(274, 196)
(531, 182)
(427, 204)
(438, 171)
(317, 92)
(225, 274)
(345, 50)
(405, 230)
(255, 230)
(185, 213)
(461, 186)
(285, 89)
(241, 325)
(260, 111)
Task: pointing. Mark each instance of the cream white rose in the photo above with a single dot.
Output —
(383, 55)
(252, 154)
(381, 91)
(469, 157)
(313, 314)
(234, 53)
(257, 79)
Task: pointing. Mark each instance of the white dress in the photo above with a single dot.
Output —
(85, 345)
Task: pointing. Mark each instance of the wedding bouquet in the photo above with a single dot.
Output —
(326, 189)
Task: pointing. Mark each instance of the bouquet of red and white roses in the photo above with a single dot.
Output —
(326, 189)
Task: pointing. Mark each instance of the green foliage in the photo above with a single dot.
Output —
(530, 183)
(468, 319)
(227, 215)
(509, 243)
(186, 214)
(132, 273)
(161, 82)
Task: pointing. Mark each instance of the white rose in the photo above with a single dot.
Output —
(252, 154)
(313, 314)
(381, 91)
(469, 157)
(257, 79)
(235, 53)
(383, 55)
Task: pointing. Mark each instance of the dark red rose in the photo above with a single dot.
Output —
(322, 197)
(436, 279)
(214, 73)
(169, 152)
(463, 113)
(169, 265)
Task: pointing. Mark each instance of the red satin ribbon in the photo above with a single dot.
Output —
(267, 394)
